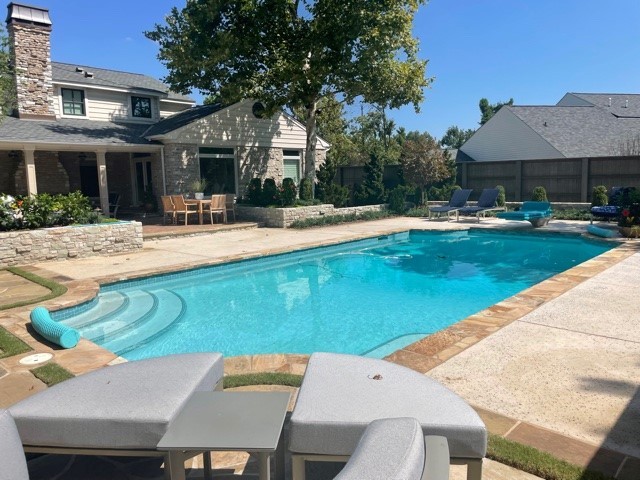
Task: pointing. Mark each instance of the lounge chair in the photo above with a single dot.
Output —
(457, 201)
(395, 449)
(118, 410)
(537, 213)
(616, 198)
(13, 464)
(486, 203)
(342, 394)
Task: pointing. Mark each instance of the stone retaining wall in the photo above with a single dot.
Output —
(284, 217)
(22, 247)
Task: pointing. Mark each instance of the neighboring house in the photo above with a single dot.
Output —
(579, 125)
(584, 140)
(101, 131)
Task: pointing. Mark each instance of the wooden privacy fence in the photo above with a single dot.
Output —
(564, 179)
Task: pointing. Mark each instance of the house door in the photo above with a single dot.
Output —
(89, 180)
(143, 179)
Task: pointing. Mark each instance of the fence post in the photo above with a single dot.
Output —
(584, 180)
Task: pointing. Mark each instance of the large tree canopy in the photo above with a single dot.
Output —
(294, 52)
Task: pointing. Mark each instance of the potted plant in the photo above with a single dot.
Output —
(629, 221)
(149, 201)
(198, 187)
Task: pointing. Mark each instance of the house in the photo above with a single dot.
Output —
(584, 140)
(103, 131)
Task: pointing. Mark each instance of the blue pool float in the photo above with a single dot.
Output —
(53, 331)
(601, 232)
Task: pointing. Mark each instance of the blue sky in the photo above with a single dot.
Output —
(531, 50)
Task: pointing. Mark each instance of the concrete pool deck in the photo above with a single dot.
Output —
(555, 366)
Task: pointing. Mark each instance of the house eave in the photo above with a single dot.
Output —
(78, 147)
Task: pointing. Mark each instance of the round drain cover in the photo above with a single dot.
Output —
(36, 358)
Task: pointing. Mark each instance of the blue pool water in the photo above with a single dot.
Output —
(368, 297)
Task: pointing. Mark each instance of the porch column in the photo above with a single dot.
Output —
(102, 181)
(30, 169)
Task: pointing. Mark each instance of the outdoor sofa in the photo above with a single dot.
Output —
(342, 394)
(122, 409)
(457, 201)
(536, 213)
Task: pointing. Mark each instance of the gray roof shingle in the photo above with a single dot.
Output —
(579, 131)
(181, 119)
(623, 105)
(67, 72)
(71, 131)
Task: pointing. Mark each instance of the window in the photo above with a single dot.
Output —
(141, 107)
(291, 159)
(217, 166)
(72, 102)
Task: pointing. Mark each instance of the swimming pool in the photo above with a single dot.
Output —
(369, 297)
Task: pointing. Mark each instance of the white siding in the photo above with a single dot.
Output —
(105, 105)
(506, 137)
(237, 126)
(169, 108)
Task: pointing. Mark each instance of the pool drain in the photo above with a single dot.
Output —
(36, 358)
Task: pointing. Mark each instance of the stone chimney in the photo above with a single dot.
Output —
(29, 29)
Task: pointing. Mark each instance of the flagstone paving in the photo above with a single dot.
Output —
(466, 356)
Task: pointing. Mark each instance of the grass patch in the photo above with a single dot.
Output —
(11, 345)
(262, 378)
(52, 373)
(532, 460)
(337, 219)
(55, 288)
(417, 212)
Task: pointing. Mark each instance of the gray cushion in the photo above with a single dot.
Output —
(390, 449)
(126, 406)
(340, 396)
(13, 465)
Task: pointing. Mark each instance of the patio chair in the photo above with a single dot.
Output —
(486, 203)
(114, 204)
(341, 394)
(457, 201)
(536, 213)
(230, 206)
(168, 209)
(395, 449)
(13, 464)
(218, 206)
(120, 410)
(181, 208)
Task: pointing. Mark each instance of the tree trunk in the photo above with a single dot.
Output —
(312, 138)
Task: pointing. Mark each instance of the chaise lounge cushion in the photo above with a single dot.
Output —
(13, 465)
(390, 449)
(126, 406)
(341, 394)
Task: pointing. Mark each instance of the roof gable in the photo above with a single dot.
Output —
(622, 105)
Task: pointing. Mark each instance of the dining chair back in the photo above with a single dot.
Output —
(230, 205)
(218, 206)
(182, 208)
(168, 209)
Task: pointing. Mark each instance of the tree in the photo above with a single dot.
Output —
(7, 78)
(294, 53)
(373, 134)
(488, 110)
(371, 191)
(423, 162)
(455, 137)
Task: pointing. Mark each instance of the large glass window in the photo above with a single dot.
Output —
(141, 107)
(72, 102)
(217, 166)
(291, 160)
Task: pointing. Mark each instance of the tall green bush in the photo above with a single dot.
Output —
(288, 192)
(254, 192)
(539, 194)
(306, 189)
(599, 196)
(502, 196)
(371, 190)
(326, 190)
(269, 192)
(397, 198)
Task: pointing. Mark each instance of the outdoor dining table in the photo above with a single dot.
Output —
(200, 204)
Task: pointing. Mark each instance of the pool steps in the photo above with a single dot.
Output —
(122, 322)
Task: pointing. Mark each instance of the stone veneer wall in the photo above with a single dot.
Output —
(51, 175)
(262, 162)
(31, 48)
(24, 247)
(284, 217)
(181, 166)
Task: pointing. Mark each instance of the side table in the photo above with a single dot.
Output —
(228, 421)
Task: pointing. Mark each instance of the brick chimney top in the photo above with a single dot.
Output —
(27, 14)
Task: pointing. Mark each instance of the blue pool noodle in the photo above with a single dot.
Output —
(601, 232)
(53, 331)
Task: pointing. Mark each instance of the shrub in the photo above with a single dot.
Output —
(336, 195)
(371, 191)
(502, 196)
(599, 196)
(539, 195)
(254, 192)
(306, 189)
(45, 210)
(288, 192)
(269, 192)
(397, 198)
